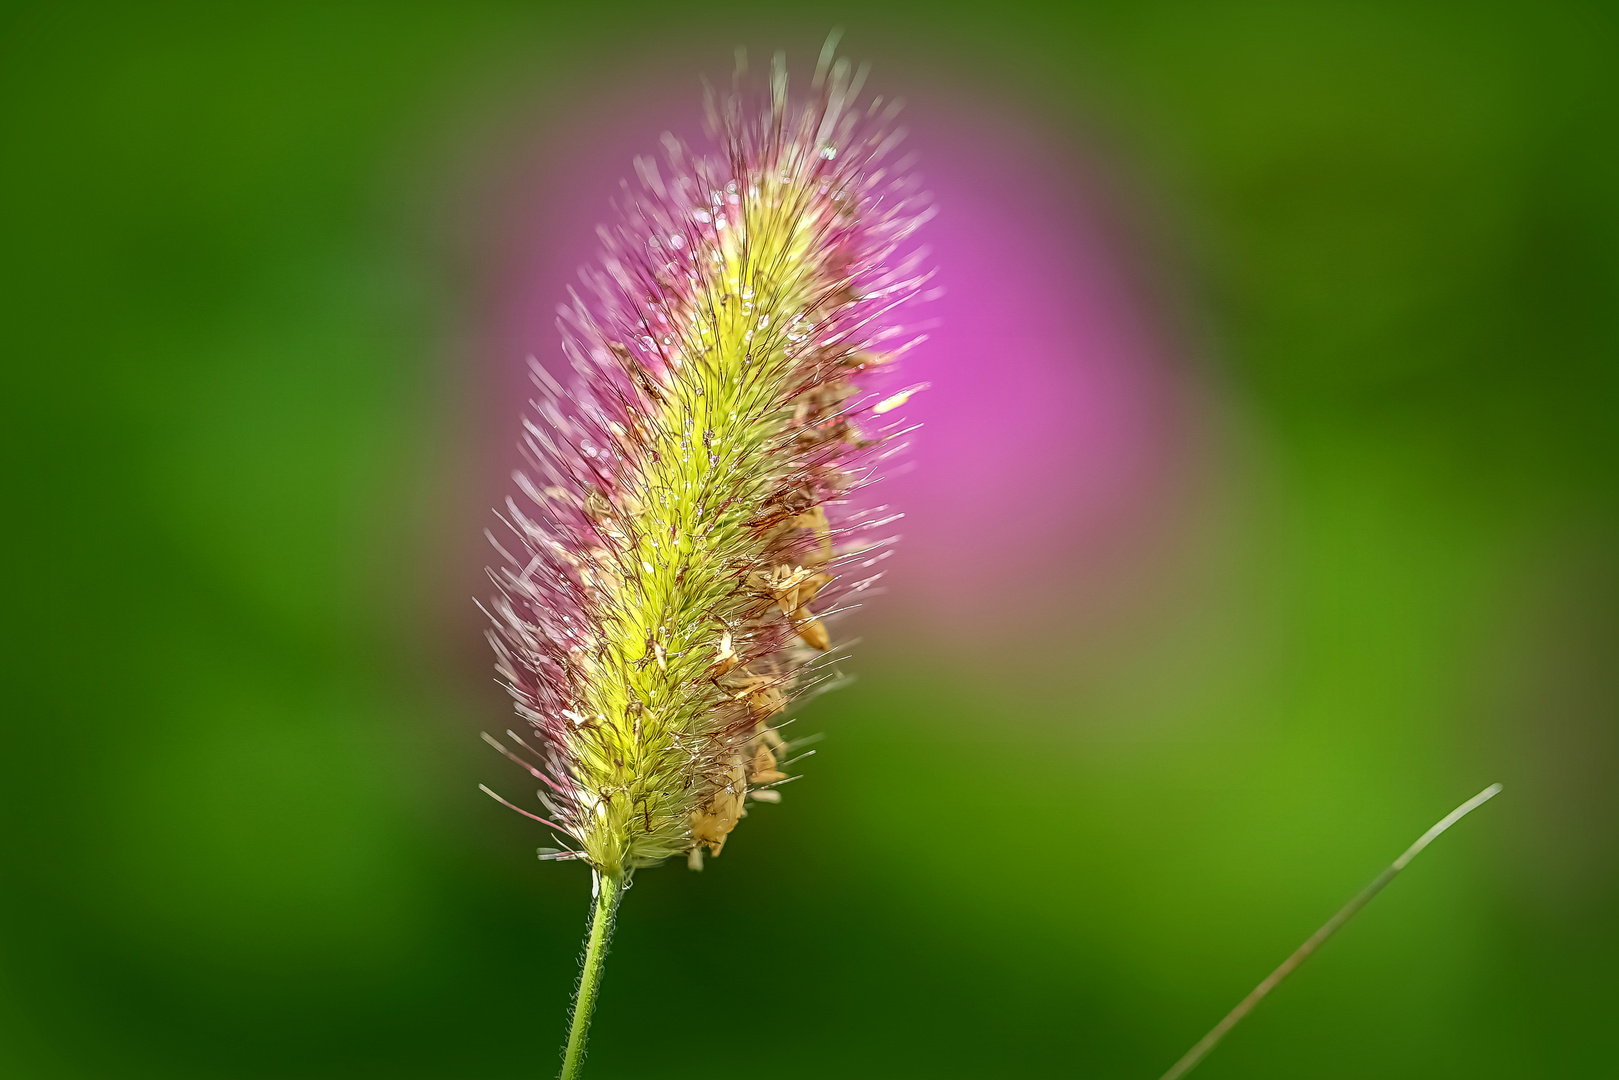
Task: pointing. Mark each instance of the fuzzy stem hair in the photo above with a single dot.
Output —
(603, 911)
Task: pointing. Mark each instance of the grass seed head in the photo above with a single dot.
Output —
(688, 525)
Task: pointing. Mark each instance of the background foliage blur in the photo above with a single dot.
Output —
(252, 431)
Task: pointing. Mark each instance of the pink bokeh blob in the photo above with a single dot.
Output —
(1053, 429)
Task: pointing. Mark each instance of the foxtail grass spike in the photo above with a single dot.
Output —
(688, 526)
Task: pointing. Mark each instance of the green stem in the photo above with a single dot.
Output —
(609, 888)
(1302, 953)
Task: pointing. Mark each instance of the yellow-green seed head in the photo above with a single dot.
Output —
(689, 524)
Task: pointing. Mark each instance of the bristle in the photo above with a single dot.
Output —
(688, 520)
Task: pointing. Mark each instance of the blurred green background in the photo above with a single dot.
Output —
(250, 443)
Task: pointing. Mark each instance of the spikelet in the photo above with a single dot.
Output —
(688, 524)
